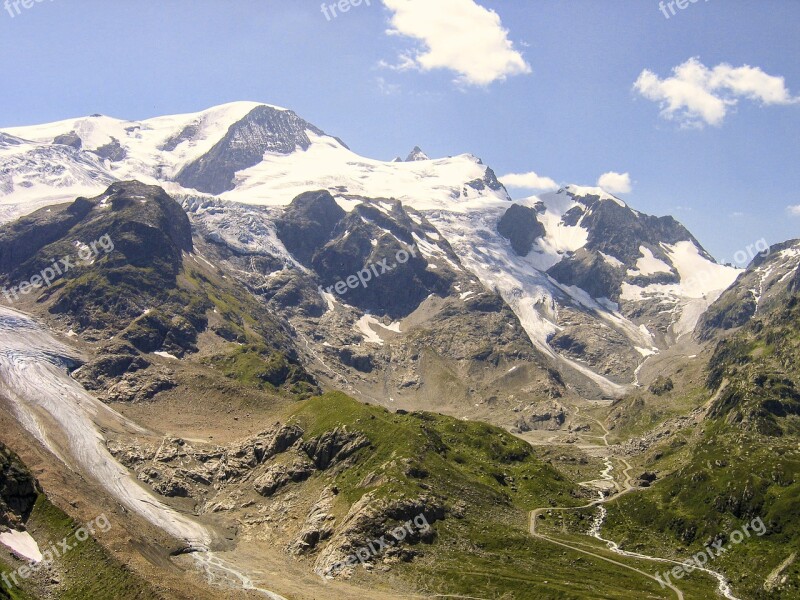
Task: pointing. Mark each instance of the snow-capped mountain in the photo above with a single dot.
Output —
(416, 155)
(767, 284)
(596, 286)
(257, 154)
(34, 174)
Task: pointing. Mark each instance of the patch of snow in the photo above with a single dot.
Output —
(370, 335)
(330, 300)
(23, 544)
(609, 304)
(612, 260)
(432, 184)
(700, 277)
(648, 264)
(391, 327)
(646, 351)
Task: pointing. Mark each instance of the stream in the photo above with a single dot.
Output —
(723, 585)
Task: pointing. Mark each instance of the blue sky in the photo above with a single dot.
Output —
(574, 116)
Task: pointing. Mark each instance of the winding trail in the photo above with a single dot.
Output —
(69, 422)
(626, 487)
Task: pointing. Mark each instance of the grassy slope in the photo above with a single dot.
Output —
(87, 571)
(744, 463)
(488, 552)
(13, 593)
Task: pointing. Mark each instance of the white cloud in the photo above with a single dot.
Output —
(459, 35)
(696, 95)
(530, 181)
(794, 210)
(615, 183)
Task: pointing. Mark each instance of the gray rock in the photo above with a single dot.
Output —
(333, 447)
(521, 227)
(279, 476)
(264, 129)
(70, 139)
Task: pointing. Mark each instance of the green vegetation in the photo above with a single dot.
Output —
(488, 481)
(640, 413)
(475, 463)
(256, 366)
(86, 571)
(743, 464)
(13, 593)
(730, 480)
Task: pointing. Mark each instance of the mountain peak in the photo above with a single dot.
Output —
(583, 191)
(417, 155)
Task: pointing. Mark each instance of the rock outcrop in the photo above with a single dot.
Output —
(18, 490)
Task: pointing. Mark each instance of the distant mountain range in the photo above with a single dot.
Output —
(524, 369)
(596, 286)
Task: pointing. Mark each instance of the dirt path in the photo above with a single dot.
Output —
(624, 487)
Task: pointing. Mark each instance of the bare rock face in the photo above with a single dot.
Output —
(171, 489)
(372, 519)
(112, 151)
(774, 272)
(264, 129)
(521, 227)
(140, 386)
(280, 475)
(276, 442)
(121, 374)
(18, 490)
(308, 224)
(607, 351)
(357, 358)
(175, 468)
(547, 417)
(20, 243)
(646, 479)
(489, 180)
(661, 385)
(70, 139)
(415, 155)
(319, 524)
(333, 447)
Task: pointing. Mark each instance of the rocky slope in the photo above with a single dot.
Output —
(736, 458)
(129, 280)
(18, 490)
(596, 286)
